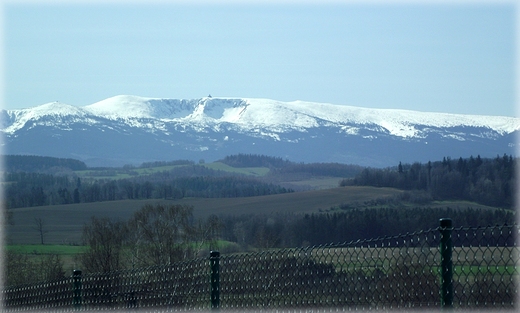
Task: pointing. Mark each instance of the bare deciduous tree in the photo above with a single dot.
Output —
(51, 267)
(105, 240)
(208, 233)
(155, 235)
(162, 234)
(39, 226)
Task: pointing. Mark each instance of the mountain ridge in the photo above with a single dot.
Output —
(304, 113)
(213, 125)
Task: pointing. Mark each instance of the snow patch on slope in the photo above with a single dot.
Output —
(48, 114)
(121, 107)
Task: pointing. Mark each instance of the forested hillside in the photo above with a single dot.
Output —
(36, 189)
(183, 178)
(487, 181)
(344, 225)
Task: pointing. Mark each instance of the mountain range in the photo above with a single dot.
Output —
(131, 130)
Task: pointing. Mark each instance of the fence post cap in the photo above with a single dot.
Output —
(446, 222)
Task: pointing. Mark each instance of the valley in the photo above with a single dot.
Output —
(300, 205)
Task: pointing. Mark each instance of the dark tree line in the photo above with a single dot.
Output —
(198, 186)
(163, 163)
(35, 189)
(33, 163)
(345, 225)
(487, 181)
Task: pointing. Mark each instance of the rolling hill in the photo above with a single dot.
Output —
(64, 222)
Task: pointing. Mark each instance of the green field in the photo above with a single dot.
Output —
(468, 270)
(37, 253)
(46, 249)
(315, 183)
(68, 253)
(253, 171)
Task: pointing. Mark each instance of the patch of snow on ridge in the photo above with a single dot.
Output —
(234, 110)
(232, 115)
(400, 122)
(271, 113)
(125, 106)
(121, 107)
(50, 109)
(215, 110)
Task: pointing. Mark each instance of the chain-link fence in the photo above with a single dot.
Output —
(462, 268)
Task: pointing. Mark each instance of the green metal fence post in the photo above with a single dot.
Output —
(76, 276)
(214, 260)
(446, 263)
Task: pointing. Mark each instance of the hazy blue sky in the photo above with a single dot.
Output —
(443, 58)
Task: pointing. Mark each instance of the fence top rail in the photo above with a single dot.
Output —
(466, 228)
(39, 285)
(424, 238)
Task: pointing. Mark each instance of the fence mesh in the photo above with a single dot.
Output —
(399, 272)
(176, 287)
(391, 272)
(485, 268)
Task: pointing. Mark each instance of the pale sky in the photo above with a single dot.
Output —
(435, 57)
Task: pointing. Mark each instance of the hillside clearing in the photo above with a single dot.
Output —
(123, 173)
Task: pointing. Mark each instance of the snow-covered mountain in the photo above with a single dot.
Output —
(130, 130)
